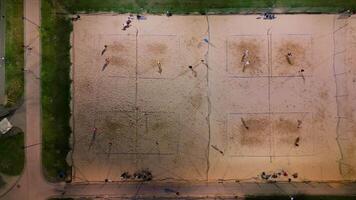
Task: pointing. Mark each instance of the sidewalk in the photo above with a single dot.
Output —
(230, 189)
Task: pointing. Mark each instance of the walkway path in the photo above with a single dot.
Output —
(230, 189)
(32, 183)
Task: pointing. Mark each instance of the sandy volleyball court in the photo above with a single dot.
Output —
(214, 97)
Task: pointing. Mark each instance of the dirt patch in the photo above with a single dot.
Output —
(238, 50)
(117, 47)
(298, 54)
(288, 130)
(286, 126)
(353, 129)
(253, 131)
(115, 60)
(350, 153)
(113, 125)
(155, 63)
(193, 42)
(157, 48)
(352, 34)
(348, 170)
(196, 100)
(320, 114)
(290, 140)
(324, 95)
(159, 125)
(85, 85)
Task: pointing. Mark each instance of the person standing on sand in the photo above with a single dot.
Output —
(296, 142)
(93, 137)
(245, 60)
(159, 65)
(104, 50)
(94, 131)
(289, 58)
(195, 74)
(107, 61)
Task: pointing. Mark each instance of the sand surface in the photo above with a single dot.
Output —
(221, 118)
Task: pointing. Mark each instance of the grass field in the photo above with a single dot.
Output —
(12, 154)
(55, 95)
(14, 51)
(202, 6)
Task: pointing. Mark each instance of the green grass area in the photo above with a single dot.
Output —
(12, 154)
(14, 52)
(301, 197)
(55, 96)
(202, 6)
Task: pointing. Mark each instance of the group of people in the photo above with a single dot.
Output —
(274, 176)
(127, 24)
(75, 18)
(269, 16)
(143, 174)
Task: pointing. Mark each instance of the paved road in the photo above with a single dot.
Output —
(32, 183)
(2, 51)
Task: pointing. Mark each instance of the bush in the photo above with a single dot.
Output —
(12, 156)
